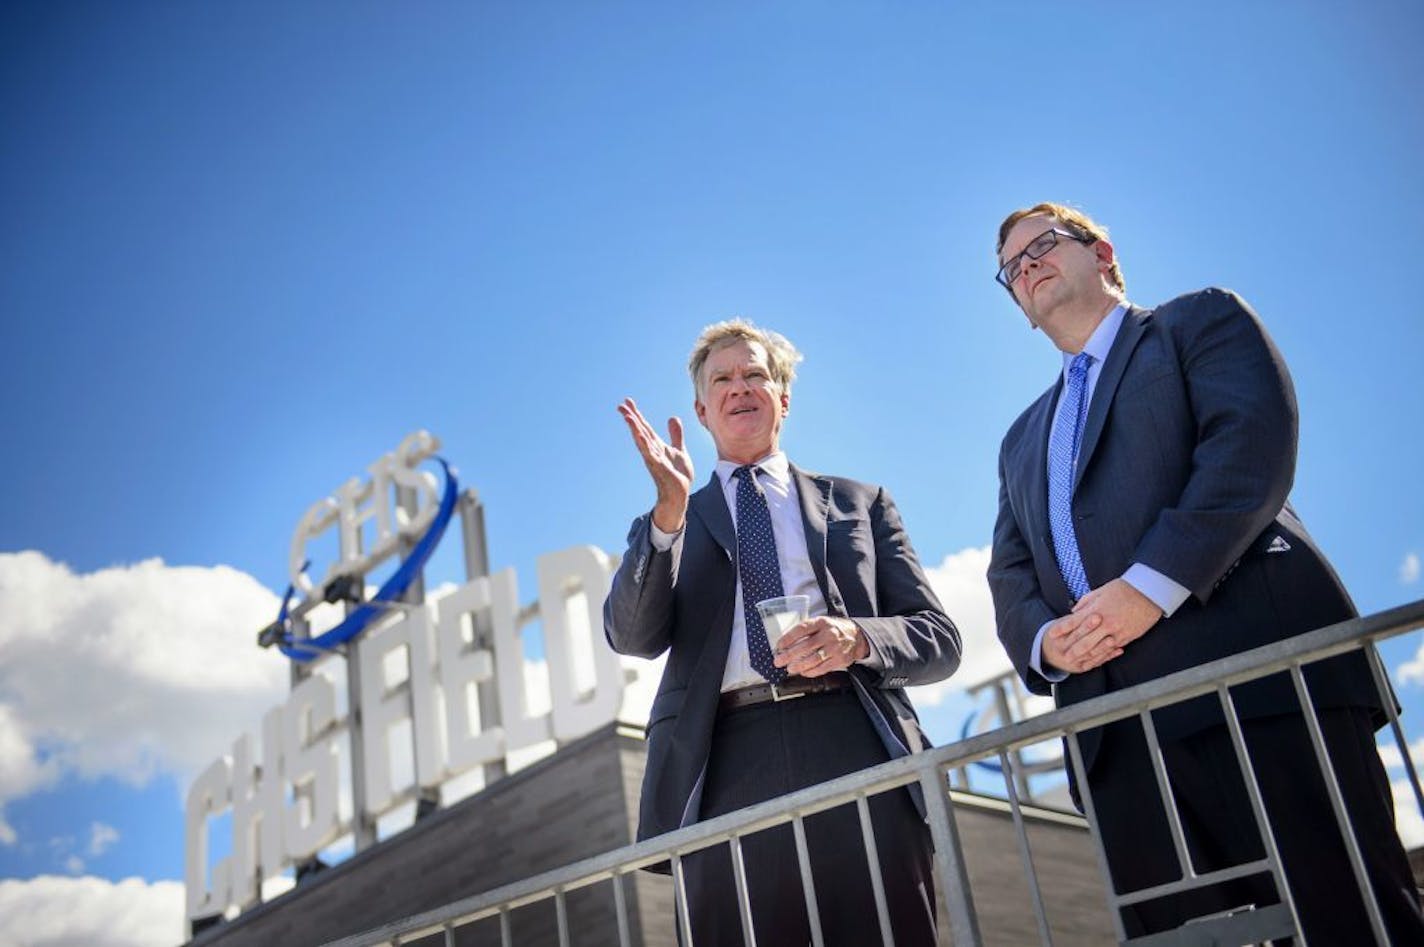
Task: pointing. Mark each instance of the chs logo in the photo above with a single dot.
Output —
(349, 509)
(458, 694)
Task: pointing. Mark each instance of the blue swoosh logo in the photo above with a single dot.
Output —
(308, 649)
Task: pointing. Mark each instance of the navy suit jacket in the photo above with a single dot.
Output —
(680, 601)
(1186, 464)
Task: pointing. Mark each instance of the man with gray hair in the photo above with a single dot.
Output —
(723, 733)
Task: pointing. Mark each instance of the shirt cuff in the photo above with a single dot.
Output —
(661, 541)
(1035, 659)
(874, 660)
(1164, 593)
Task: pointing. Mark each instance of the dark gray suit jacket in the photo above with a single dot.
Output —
(1186, 463)
(681, 601)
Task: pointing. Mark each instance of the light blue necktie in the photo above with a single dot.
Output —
(1062, 461)
(758, 567)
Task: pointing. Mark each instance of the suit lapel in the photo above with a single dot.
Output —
(1031, 460)
(815, 495)
(1034, 457)
(710, 506)
(1134, 323)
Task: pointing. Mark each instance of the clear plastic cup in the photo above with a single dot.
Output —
(780, 615)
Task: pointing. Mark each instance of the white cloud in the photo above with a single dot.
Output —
(1407, 818)
(1409, 569)
(1406, 814)
(74, 864)
(1392, 758)
(53, 911)
(21, 771)
(101, 838)
(964, 592)
(127, 671)
(1412, 672)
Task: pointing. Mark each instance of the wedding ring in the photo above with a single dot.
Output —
(821, 653)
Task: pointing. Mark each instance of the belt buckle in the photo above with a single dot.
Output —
(777, 696)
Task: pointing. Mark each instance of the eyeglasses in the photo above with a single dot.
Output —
(1036, 248)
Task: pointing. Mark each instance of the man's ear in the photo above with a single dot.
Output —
(785, 403)
(701, 410)
(1105, 253)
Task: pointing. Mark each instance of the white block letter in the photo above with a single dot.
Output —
(383, 707)
(521, 729)
(464, 667)
(309, 755)
(208, 797)
(572, 586)
(256, 810)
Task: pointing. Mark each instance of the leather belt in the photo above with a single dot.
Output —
(786, 690)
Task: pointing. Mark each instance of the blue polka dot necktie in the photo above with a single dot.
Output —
(758, 568)
(1063, 447)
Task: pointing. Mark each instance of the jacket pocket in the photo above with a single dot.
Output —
(666, 705)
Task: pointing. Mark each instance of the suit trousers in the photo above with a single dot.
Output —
(1220, 827)
(770, 749)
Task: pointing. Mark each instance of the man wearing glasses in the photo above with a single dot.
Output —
(1144, 528)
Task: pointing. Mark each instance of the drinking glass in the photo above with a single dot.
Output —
(780, 615)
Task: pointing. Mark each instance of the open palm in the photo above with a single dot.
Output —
(668, 463)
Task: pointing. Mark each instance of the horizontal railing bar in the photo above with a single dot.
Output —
(1196, 881)
(1234, 669)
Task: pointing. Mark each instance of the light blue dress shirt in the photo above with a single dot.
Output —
(1163, 591)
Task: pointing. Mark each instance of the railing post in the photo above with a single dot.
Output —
(803, 861)
(1025, 852)
(872, 861)
(1337, 802)
(949, 855)
(1258, 805)
(1080, 771)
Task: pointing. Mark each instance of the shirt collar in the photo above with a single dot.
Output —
(1100, 342)
(774, 465)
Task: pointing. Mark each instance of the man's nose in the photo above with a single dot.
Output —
(739, 383)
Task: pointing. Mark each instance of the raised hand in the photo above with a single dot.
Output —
(668, 463)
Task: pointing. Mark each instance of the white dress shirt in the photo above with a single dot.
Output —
(797, 578)
(1163, 591)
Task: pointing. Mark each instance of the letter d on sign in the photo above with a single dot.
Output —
(572, 586)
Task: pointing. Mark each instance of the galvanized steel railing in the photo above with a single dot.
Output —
(930, 771)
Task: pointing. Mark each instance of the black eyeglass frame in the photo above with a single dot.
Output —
(1008, 284)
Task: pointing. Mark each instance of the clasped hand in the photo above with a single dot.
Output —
(1101, 625)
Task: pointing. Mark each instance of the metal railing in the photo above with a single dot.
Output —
(930, 769)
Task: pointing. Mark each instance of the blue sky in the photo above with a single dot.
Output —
(246, 248)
